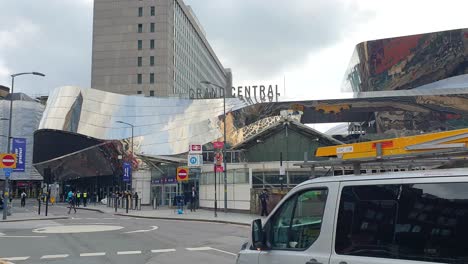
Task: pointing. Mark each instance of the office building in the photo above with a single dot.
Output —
(154, 48)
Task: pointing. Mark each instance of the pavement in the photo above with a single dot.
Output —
(95, 237)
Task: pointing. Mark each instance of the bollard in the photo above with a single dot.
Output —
(39, 208)
(154, 203)
(115, 204)
(126, 205)
(139, 205)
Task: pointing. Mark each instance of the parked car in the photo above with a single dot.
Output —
(401, 217)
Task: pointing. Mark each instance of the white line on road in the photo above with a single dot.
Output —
(223, 251)
(141, 231)
(4, 236)
(210, 248)
(129, 252)
(163, 250)
(54, 256)
(16, 258)
(198, 249)
(93, 254)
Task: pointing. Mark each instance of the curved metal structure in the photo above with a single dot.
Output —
(162, 126)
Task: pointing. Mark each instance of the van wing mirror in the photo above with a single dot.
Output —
(258, 239)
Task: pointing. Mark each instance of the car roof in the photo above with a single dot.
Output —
(391, 175)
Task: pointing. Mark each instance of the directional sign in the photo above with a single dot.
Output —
(182, 174)
(194, 160)
(7, 172)
(8, 161)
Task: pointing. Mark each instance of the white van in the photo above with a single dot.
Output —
(402, 217)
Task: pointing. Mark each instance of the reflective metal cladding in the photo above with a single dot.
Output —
(408, 62)
(162, 126)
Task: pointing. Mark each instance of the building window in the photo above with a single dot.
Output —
(140, 44)
(152, 11)
(139, 78)
(152, 44)
(140, 28)
(151, 93)
(152, 61)
(140, 11)
(140, 61)
(152, 27)
(139, 92)
(151, 77)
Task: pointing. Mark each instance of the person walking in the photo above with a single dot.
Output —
(72, 201)
(193, 200)
(136, 200)
(23, 199)
(264, 202)
(78, 198)
(85, 198)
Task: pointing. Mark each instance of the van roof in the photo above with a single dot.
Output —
(391, 175)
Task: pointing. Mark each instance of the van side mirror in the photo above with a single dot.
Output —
(258, 239)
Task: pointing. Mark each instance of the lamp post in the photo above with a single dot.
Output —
(6, 191)
(224, 140)
(132, 126)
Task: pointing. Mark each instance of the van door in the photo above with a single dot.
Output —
(419, 220)
(299, 231)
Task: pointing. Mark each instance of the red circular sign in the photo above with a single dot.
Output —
(8, 160)
(182, 174)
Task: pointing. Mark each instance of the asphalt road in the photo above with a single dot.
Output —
(92, 237)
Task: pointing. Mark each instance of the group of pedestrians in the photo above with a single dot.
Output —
(76, 198)
(127, 195)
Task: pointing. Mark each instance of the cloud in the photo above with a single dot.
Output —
(53, 37)
(260, 39)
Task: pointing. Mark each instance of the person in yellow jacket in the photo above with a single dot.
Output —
(85, 198)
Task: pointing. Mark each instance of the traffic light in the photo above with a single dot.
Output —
(47, 175)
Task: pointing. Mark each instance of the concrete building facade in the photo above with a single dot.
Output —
(153, 48)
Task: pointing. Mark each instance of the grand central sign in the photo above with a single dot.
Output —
(251, 93)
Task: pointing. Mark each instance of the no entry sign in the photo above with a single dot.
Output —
(182, 174)
(8, 160)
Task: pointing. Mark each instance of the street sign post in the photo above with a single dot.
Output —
(194, 160)
(195, 149)
(8, 160)
(182, 174)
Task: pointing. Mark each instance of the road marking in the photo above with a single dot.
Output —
(223, 251)
(210, 248)
(54, 256)
(198, 249)
(22, 236)
(141, 231)
(93, 254)
(83, 228)
(163, 250)
(16, 258)
(109, 218)
(129, 252)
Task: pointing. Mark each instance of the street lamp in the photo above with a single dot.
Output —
(132, 126)
(7, 181)
(224, 141)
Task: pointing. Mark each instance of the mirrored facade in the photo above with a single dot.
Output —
(409, 62)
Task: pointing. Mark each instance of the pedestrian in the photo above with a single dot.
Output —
(23, 199)
(193, 200)
(72, 201)
(85, 198)
(264, 202)
(78, 198)
(136, 200)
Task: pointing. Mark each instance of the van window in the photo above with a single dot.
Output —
(423, 222)
(296, 224)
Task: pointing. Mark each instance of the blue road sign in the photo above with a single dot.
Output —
(7, 172)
